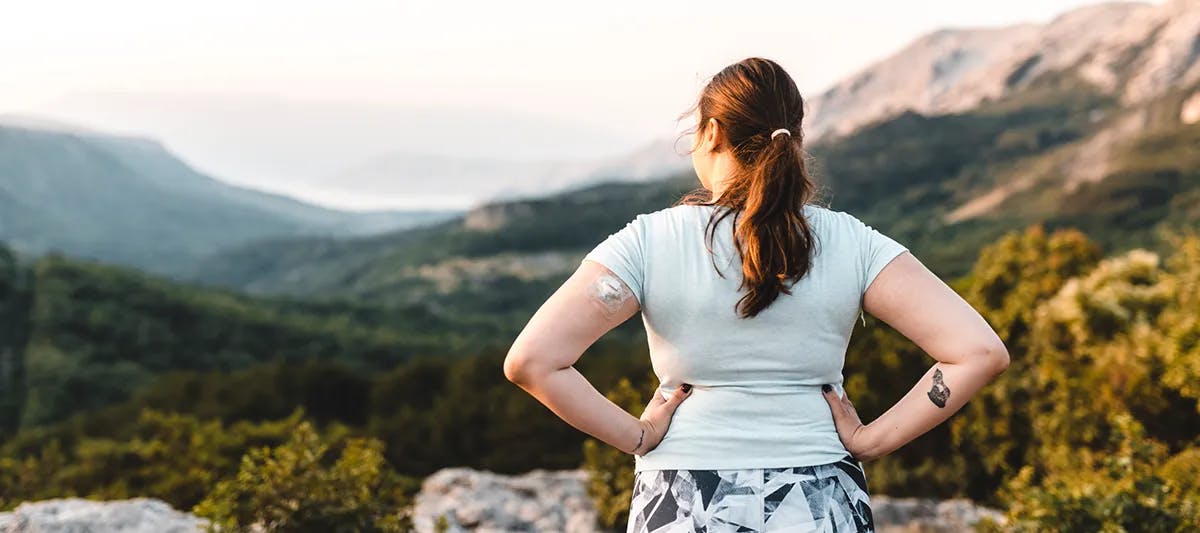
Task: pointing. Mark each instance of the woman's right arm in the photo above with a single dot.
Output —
(968, 353)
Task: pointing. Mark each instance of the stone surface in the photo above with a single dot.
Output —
(920, 515)
(75, 515)
(471, 500)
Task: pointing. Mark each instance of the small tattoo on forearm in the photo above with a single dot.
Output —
(940, 391)
(636, 448)
(611, 292)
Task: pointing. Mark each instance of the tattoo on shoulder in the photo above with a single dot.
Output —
(940, 392)
(610, 291)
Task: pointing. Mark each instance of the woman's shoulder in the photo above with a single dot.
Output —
(676, 213)
(836, 219)
(689, 212)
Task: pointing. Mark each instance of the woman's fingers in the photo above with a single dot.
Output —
(844, 415)
(661, 409)
(672, 402)
(850, 411)
(835, 404)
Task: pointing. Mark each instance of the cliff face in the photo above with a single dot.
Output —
(1132, 50)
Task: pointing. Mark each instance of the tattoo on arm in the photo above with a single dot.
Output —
(940, 392)
(636, 448)
(610, 291)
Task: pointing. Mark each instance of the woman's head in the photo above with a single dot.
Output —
(761, 179)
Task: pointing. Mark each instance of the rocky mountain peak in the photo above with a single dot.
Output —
(1134, 50)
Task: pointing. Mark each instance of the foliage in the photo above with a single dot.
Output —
(293, 487)
(1012, 277)
(97, 333)
(610, 471)
(1106, 392)
(177, 458)
(1126, 488)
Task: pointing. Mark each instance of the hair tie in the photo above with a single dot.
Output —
(780, 130)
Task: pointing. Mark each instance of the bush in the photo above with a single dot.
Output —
(294, 488)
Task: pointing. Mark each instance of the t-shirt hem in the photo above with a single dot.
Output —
(746, 463)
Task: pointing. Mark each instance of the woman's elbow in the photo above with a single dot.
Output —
(525, 361)
(997, 355)
(515, 366)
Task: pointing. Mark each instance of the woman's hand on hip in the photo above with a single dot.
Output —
(656, 419)
(855, 436)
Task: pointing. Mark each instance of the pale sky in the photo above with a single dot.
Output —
(619, 68)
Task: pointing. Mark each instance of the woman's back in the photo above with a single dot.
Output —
(757, 400)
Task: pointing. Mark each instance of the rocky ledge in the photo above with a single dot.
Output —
(75, 515)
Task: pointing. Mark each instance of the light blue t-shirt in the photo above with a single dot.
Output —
(757, 399)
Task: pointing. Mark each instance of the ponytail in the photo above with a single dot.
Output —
(767, 194)
(773, 235)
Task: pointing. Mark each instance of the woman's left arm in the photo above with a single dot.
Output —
(589, 304)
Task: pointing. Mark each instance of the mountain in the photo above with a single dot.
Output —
(1134, 51)
(130, 201)
(472, 180)
(277, 143)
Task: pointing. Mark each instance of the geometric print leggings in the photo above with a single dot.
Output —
(800, 499)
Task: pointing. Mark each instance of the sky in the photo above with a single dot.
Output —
(616, 72)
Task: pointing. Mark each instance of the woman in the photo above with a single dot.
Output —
(749, 292)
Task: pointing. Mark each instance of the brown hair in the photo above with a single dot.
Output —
(766, 194)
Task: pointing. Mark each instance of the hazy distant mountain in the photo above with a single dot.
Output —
(130, 201)
(271, 142)
(1133, 50)
(468, 181)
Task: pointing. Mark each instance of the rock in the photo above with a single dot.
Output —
(541, 500)
(76, 515)
(913, 515)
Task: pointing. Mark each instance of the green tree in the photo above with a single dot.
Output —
(1107, 393)
(1008, 283)
(294, 487)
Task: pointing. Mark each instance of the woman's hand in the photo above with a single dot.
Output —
(656, 419)
(854, 435)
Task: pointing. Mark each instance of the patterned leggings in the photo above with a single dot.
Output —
(830, 497)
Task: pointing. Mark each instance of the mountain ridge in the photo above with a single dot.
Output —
(131, 201)
(1135, 49)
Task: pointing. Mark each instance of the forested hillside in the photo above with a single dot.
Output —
(78, 335)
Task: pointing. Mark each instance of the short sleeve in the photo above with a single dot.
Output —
(877, 250)
(623, 253)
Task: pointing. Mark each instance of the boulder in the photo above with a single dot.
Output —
(76, 515)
